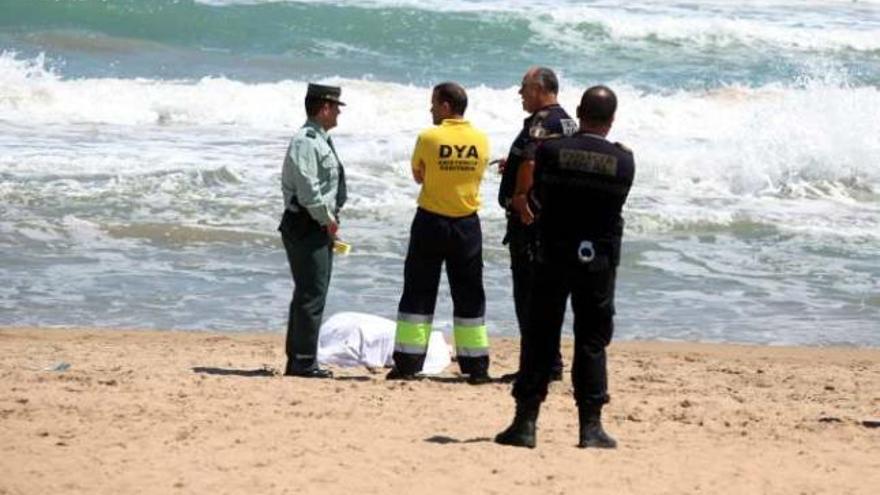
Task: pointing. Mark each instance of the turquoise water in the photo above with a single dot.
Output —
(141, 145)
(651, 45)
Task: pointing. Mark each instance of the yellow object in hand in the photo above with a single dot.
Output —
(340, 247)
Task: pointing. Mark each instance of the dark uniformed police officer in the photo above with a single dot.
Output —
(548, 120)
(313, 183)
(580, 186)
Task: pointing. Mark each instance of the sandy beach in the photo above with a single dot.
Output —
(190, 412)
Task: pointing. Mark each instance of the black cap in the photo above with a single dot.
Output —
(321, 92)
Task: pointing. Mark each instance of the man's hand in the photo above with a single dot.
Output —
(520, 204)
(520, 201)
(502, 164)
(332, 228)
(418, 173)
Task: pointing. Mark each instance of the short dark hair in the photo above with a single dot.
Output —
(314, 105)
(546, 78)
(598, 105)
(453, 94)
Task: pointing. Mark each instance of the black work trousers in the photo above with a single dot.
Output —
(310, 256)
(592, 299)
(521, 244)
(435, 239)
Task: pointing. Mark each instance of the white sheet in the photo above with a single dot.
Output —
(358, 339)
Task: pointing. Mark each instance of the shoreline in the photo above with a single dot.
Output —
(447, 331)
(183, 411)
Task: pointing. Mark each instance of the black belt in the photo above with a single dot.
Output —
(297, 224)
(605, 252)
(431, 213)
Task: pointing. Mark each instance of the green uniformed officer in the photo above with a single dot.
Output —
(313, 183)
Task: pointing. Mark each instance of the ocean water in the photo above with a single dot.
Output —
(141, 147)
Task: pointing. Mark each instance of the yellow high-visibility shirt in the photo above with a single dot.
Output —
(454, 156)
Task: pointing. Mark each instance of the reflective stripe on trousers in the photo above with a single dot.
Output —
(412, 334)
(471, 338)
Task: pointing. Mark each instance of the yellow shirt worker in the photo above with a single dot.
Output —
(448, 161)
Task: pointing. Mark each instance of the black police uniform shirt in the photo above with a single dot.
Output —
(548, 123)
(581, 183)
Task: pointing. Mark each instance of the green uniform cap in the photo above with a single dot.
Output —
(321, 92)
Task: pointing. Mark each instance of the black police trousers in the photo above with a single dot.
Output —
(521, 244)
(592, 299)
(310, 256)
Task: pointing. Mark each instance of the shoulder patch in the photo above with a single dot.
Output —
(569, 126)
(311, 134)
(623, 147)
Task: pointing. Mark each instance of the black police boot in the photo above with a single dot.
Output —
(556, 370)
(591, 433)
(521, 433)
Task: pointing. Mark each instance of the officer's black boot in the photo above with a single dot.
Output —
(591, 433)
(521, 433)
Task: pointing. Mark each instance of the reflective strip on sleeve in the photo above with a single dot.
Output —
(471, 340)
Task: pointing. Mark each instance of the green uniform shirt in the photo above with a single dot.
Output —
(312, 176)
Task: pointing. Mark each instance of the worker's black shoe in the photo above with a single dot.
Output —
(309, 373)
(590, 431)
(479, 378)
(396, 374)
(521, 433)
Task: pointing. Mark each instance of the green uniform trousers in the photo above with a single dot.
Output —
(310, 256)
